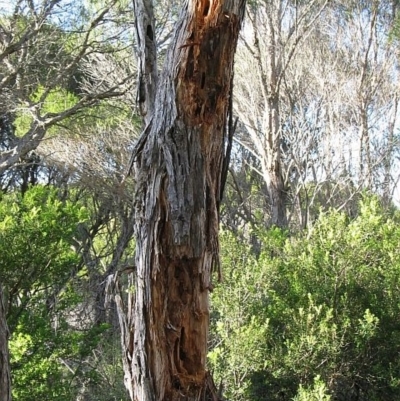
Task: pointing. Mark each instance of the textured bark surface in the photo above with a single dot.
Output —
(272, 163)
(147, 57)
(178, 171)
(5, 380)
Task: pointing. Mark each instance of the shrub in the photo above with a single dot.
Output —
(322, 304)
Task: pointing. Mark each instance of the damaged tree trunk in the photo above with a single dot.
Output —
(178, 165)
(5, 378)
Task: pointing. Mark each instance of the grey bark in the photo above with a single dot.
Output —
(179, 162)
(5, 378)
(147, 57)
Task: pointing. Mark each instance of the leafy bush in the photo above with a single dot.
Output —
(323, 304)
(37, 262)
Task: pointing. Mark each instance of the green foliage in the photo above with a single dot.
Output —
(36, 232)
(40, 57)
(240, 326)
(46, 357)
(36, 266)
(55, 101)
(105, 115)
(318, 392)
(315, 315)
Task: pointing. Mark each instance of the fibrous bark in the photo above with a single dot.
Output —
(178, 167)
(5, 380)
(147, 57)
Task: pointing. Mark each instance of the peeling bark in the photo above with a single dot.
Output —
(179, 162)
(5, 378)
(147, 57)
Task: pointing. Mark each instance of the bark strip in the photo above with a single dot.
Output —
(178, 172)
(5, 378)
(147, 57)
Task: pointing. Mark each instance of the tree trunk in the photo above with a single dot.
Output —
(262, 122)
(272, 165)
(5, 380)
(178, 168)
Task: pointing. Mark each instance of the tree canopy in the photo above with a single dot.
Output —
(256, 198)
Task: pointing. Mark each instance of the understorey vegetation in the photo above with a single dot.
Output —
(199, 200)
(311, 316)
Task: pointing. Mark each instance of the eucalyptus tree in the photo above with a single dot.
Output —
(320, 115)
(49, 91)
(88, 165)
(42, 47)
(366, 108)
(178, 163)
(351, 105)
(275, 31)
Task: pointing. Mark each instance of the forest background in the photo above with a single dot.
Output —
(308, 303)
